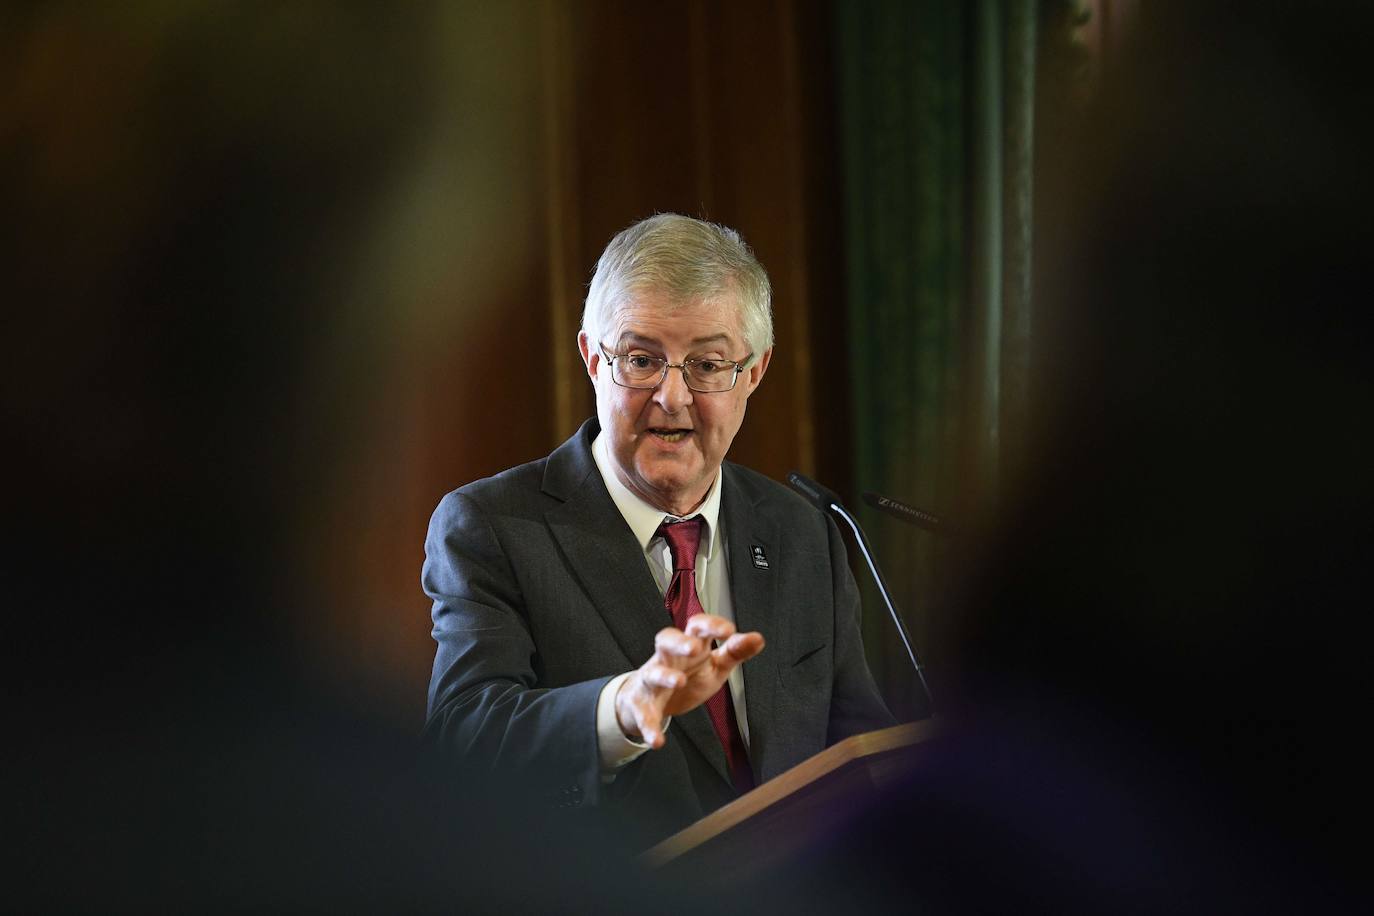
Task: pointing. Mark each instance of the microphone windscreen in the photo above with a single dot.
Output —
(821, 497)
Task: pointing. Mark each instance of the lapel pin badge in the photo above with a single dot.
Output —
(758, 556)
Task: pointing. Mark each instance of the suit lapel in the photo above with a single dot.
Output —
(605, 557)
(600, 549)
(754, 594)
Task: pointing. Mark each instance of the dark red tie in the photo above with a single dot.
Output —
(682, 602)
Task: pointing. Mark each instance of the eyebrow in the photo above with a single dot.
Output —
(630, 337)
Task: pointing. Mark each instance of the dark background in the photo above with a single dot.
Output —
(273, 276)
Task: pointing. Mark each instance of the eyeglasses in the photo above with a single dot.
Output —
(639, 370)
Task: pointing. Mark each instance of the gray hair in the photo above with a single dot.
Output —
(688, 260)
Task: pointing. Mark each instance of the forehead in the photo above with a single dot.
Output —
(655, 316)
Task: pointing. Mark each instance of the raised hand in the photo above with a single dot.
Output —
(683, 673)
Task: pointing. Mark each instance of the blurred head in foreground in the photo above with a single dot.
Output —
(1156, 674)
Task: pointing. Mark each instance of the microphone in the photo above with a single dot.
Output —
(821, 497)
(827, 500)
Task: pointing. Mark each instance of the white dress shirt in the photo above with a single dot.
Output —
(713, 590)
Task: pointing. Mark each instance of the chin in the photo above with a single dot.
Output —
(669, 483)
(682, 466)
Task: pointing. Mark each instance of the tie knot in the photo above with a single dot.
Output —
(683, 538)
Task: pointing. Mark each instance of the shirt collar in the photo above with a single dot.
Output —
(643, 518)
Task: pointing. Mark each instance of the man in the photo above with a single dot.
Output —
(634, 543)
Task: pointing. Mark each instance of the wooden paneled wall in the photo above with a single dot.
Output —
(717, 110)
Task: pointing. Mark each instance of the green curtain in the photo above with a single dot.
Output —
(936, 121)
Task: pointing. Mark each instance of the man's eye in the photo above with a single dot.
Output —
(639, 361)
(709, 366)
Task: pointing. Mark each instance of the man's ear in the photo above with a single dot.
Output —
(591, 356)
(754, 374)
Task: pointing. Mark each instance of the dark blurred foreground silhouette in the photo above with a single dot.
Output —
(1163, 676)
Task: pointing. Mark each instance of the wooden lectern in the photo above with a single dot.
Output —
(794, 810)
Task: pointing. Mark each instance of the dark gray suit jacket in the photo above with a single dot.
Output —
(541, 595)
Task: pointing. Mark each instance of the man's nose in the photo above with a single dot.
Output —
(672, 394)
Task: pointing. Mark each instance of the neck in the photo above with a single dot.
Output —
(680, 505)
(681, 510)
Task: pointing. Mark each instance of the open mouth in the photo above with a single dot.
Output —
(670, 435)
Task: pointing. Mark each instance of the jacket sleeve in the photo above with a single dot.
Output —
(485, 708)
(856, 706)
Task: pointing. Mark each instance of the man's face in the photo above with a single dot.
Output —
(667, 443)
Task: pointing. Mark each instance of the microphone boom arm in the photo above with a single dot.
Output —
(827, 500)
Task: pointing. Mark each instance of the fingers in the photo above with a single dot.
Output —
(689, 650)
(682, 673)
(738, 648)
(709, 627)
(640, 701)
(671, 643)
(686, 650)
(661, 676)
